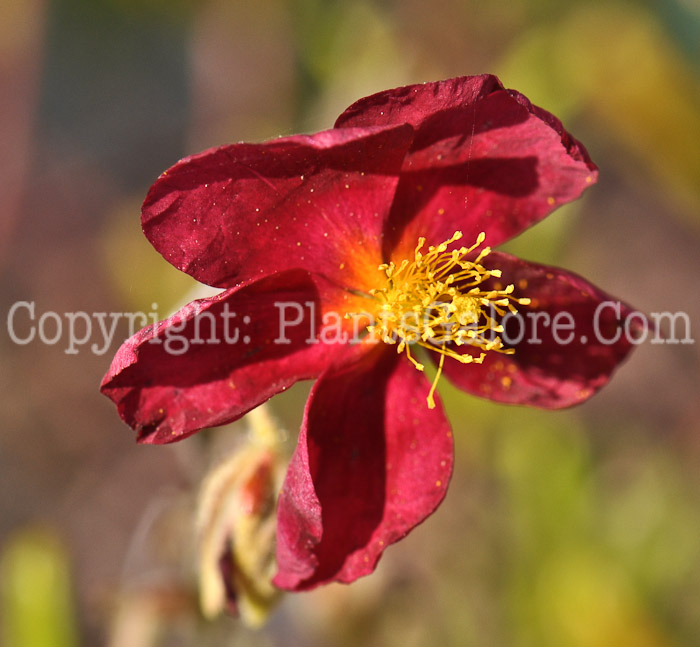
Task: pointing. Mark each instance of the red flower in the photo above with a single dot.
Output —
(294, 231)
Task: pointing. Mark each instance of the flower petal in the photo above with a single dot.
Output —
(249, 210)
(483, 159)
(372, 462)
(217, 358)
(567, 342)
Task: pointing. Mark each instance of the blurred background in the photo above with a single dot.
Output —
(578, 528)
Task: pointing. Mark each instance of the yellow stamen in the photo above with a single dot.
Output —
(437, 301)
(431, 399)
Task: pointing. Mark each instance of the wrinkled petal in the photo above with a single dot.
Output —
(483, 159)
(372, 462)
(567, 342)
(244, 211)
(217, 358)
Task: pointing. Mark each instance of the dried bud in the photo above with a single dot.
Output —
(236, 526)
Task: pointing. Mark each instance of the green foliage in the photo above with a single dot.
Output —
(36, 596)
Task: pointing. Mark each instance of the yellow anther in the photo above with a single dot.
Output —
(437, 301)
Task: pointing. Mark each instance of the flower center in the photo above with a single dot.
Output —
(437, 301)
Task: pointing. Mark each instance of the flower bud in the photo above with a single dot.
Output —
(236, 526)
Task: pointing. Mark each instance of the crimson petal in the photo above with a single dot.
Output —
(217, 358)
(249, 210)
(483, 159)
(567, 342)
(372, 462)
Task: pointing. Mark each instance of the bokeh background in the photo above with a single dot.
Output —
(578, 528)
